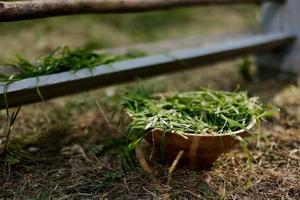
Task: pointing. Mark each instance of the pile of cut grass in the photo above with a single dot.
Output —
(60, 60)
(201, 112)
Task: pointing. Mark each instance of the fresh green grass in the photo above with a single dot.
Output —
(60, 60)
(201, 112)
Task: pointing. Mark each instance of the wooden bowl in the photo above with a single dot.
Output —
(199, 150)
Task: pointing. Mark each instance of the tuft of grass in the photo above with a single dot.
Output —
(108, 179)
(60, 60)
(247, 69)
(200, 112)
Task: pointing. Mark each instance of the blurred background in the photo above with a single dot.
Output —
(37, 37)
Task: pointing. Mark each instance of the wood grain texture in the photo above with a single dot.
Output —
(21, 10)
(200, 150)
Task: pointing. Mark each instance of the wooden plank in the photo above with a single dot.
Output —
(25, 91)
(168, 45)
(21, 10)
(159, 47)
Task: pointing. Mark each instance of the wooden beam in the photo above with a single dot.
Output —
(55, 85)
(22, 10)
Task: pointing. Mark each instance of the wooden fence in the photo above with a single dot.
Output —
(276, 46)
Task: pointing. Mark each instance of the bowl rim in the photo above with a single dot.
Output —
(247, 129)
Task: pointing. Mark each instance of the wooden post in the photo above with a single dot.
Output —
(22, 10)
(282, 18)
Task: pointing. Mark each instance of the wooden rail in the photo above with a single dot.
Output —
(25, 91)
(22, 10)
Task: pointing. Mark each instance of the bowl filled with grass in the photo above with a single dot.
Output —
(201, 125)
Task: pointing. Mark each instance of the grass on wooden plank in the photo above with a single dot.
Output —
(60, 60)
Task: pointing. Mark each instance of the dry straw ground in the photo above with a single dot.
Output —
(69, 148)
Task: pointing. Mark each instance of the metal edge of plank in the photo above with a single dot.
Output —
(55, 85)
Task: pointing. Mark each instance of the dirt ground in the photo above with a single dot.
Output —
(68, 148)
